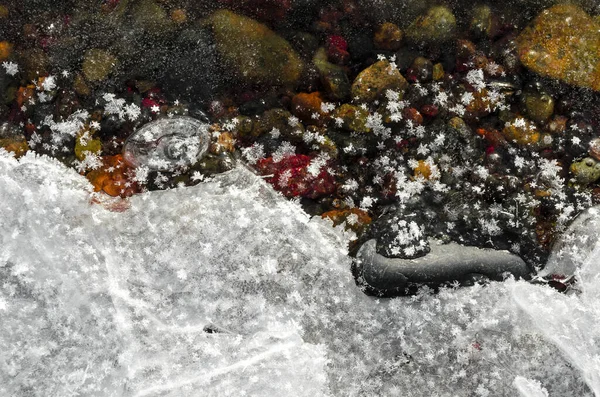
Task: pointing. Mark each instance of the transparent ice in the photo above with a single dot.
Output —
(227, 288)
(167, 143)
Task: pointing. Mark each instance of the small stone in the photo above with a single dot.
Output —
(113, 178)
(354, 118)
(594, 148)
(35, 63)
(98, 64)
(225, 143)
(308, 108)
(563, 43)
(538, 106)
(388, 36)
(337, 50)
(355, 219)
(5, 50)
(279, 120)
(80, 86)
(3, 12)
(25, 94)
(522, 132)
(375, 80)
(558, 125)
(256, 54)
(151, 17)
(413, 115)
(437, 25)
(294, 177)
(85, 144)
(333, 77)
(438, 72)
(17, 146)
(465, 49)
(483, 23)
(244, 127)
(492, 136)
(421, 70)
(585, 171)
(179, 16)
(481, 105)
(423, 170)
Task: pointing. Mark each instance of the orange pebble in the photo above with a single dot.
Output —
(5, 50)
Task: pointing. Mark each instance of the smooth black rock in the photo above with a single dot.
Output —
(443, 264)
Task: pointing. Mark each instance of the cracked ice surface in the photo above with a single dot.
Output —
(98, 303)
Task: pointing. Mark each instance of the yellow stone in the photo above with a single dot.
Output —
(84, 144)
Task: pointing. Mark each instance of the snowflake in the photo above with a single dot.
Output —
(95, 125)
(350, 185)
(327, 107)
(49, 83)
(275, 133)
(423, 149)
(441, 99)
(314, 168)
(197, 176)
(367, 202)
(132, 111)
(476, 79)
(141, 174)
(11, 68)
(284, 150)
(254, 153)
(467, 98)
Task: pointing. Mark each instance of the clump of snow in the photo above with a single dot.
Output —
(226, 288)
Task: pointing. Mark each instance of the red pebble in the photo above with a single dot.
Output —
(337, 49)
(291, 177)
(430, 110)
(149, 102)
(337, 41)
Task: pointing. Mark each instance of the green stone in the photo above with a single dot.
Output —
(437, 25)
(538, 106)
(254, 52)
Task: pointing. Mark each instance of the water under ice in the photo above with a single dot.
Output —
(227, 288)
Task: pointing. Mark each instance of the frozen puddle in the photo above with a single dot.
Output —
(227, 288)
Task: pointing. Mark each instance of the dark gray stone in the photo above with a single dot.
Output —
(444, 263)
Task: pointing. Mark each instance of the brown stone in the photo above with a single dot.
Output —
(563, 42)
(356, 219)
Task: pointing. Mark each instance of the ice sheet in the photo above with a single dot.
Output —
(227, 288)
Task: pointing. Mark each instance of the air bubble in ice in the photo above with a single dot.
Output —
(168, 143)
